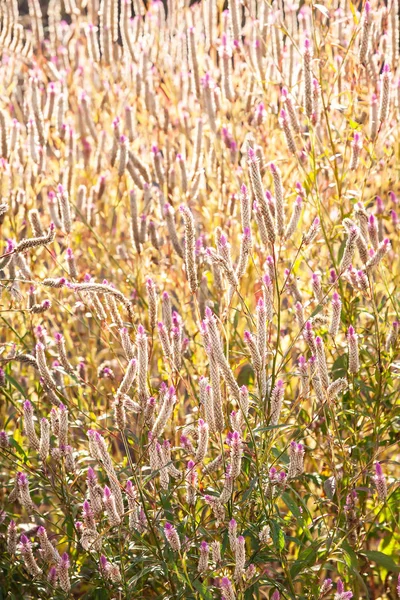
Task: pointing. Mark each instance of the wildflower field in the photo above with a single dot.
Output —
(200, 307)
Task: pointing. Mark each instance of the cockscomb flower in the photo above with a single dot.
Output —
(114, 573)
(260, 114)
(243, 404)
(325, 587)
(299, 311)
(317, 288)
(270, 264)
(296, 463)
(88, 515)
(336, 387)
(202, 441)
(25, 547)
(203, 560)
(295, 217)
(321, 362)
(287, 101)
(164, 340)
(305, 379)
(189, 248)
(2, 378)
(29, 426)
(391, 340)
(273, 483)
(363, 281)
(105, 566)
(356, 147)
(44, 444)
(382, 249)
(351, 515)
(309, 237)
(52, 576)
(309, 337)
(250, 572)
(385, 93)
(353, 234)
(265, 534)
(284, 123)
(259, 195)
(276, 401)
(365, 35)
(63, 573)
(104, 563)
(186, 444)
(232, 534)
(44, 370)
(227, 589)
(261, 320)
(110, 507)
(191, 483)
(372, 228)
(172, 537)
(235, 421)
(216, 552)
(354, 360)
(340, 593)
(23, 492)
(49, 552)
(336, 307)
(227, 489)
(236, 454)
(240, 557)
(307, 77)
(245, 207)
(380, 482)
(129, 377)
(228, 439)
(251, 343)
(12, 537)
(218, 362)
(207, 401)
(152, 302)
(165, 412)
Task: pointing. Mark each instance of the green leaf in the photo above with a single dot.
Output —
(291, 504)
(277, 536)
(271, 428)
(383, 560)
(14, 444)
(153, 570)
(350, 556)
(202, 589)
(306, 558)
(339, 367)
(15, 384)
(246, 375)
(250, 488)
(252, 592)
